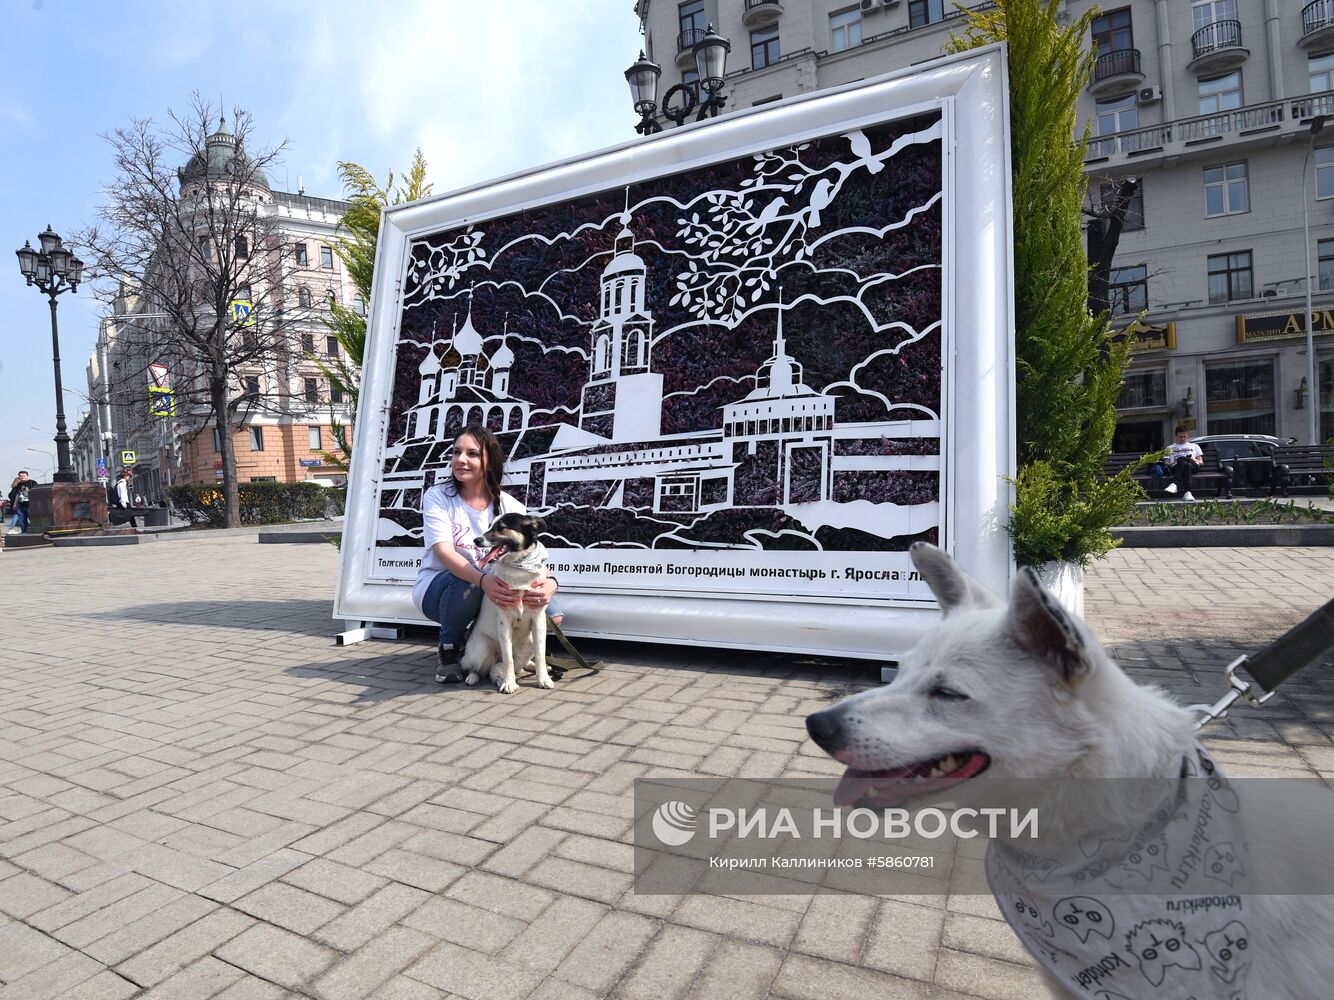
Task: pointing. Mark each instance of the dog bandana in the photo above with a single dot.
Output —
(1162, 913)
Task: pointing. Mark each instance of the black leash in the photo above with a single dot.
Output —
(558, 666)
(1302, 645)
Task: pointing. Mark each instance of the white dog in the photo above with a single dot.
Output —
(1023, 691)
(503, 637)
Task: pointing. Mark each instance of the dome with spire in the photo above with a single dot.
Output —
(430, 364)
(221, 158)
(468, 340)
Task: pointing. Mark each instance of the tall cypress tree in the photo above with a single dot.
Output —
(1069, 371)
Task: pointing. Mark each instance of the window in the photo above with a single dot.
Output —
(1109, 192)
(242, 248)
(312, 390)
(257, 439)
(217, 440)
(303, 298)
(326, 258)
(1326, 377)
(1226, 191)
(359, 304)
(1321, 70)
(690, 80)
(1128, 289)
(205, 248)
(335, 393)
(1230, 277)
(1143, 388)
(1112, 32)
(1120, 115)
(921, 12)
(1240, 397)
(845, 30)
(330, 298)
(1324, 172)
(331, 346)
(251, 383)
(301, 259)
(1222, 93)
(764, 47)
(1206, 12)
(1326, 268)
(308, 343)
(315, 443)
(692, 21)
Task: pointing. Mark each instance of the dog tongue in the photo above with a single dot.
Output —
(857, 785)
(493, 554)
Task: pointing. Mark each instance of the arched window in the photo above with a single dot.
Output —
(329, 299)
(495, 419)
(435, 419)
(303, 297)
(603, 362)
(359, 304)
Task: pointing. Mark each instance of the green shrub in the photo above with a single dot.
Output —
(261, 503)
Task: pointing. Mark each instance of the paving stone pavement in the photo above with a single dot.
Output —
(200, 795)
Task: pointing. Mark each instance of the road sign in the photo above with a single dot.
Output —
(158, 373)
(128, 458)
(101, 468)
(161, 402)
(243, 313)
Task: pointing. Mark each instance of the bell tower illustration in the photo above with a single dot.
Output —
(623, 398)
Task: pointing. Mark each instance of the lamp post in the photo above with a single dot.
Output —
(1313, 412)
(711, 65)
(54, 270)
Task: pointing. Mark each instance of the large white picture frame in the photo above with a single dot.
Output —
(739, 367)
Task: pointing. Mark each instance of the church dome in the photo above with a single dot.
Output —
(468, 340)
(222, 158)
(503, 358)
(430, 364)
(623, 263)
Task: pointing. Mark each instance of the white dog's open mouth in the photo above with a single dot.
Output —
(895, 784)
(492, 556)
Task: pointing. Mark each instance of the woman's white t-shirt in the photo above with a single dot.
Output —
(446, 515)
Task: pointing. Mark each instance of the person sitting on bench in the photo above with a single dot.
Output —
(1181, 461)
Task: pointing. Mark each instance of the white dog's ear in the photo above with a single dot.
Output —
(954, 589)
(1039, 625)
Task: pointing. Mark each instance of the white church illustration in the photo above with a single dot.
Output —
(778, 446)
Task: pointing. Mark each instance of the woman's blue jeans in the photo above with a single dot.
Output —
(455, 605)
(20, 522)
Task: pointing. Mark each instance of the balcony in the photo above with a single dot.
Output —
(685, 47)
(1268, 123)
(1317, 25)
(1217, 48)
(1116, 73)
(761, 13)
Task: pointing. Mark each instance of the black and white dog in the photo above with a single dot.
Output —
(503, 637)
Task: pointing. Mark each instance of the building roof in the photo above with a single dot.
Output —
(218, 161)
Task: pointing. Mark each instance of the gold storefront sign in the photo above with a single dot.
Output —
(1282, 325)
(1145, 337)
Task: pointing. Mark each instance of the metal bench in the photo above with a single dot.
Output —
(1304, 466)
(1211, 473)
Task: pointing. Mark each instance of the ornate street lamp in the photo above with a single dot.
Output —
(710, 63)
(54, 270)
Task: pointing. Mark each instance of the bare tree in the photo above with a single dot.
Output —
(1107, 207)
(188, 225)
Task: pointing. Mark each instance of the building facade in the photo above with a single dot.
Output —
(286, 423)
(1212, 106)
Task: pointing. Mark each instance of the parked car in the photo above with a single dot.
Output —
(1234, 446)
(1249, 458)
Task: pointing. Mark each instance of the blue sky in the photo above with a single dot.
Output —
(484, 87)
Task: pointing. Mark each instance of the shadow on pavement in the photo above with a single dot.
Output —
(304, 617)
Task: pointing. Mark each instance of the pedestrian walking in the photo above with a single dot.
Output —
(124, 513)
(19, 492)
